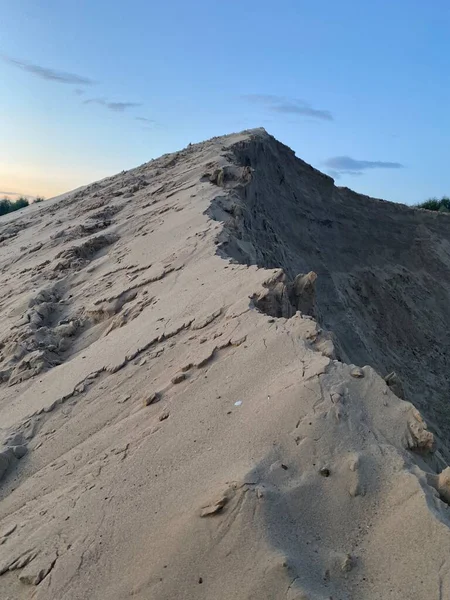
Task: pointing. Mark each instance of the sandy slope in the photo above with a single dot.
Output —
(173, 425)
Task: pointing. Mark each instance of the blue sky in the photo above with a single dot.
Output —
(359, 89)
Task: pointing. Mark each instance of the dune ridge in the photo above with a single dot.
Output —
(217, 371)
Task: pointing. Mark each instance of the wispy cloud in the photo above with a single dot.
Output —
(47, 73)
(306, 111)
(345, 165)
(338, 174)
(11, 194)
(79, 92)
(145, 119)
(114, 106)
(290, 106)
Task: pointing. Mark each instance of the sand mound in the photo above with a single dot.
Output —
(206, 370)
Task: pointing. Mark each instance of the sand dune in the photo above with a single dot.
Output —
(216, 373)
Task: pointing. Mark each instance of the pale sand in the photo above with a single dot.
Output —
(174, 429)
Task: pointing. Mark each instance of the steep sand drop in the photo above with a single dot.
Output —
(186, 410)
(383, 269)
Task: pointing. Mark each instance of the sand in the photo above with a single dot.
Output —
(197, 398)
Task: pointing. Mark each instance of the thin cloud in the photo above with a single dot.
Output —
(79, 92)
(11, 194)
(290, 106)
(306, 111)
(339, 174)
(145, 120)
(114, 106)
(345, 165)
(46, 73)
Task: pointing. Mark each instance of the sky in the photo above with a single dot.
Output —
(358, 89)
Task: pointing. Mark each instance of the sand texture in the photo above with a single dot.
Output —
(223, 377)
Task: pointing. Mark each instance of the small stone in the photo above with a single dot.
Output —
(283, 466)
(80, 388)
(357, 372)
(150, 398)
(395, 384)
(441, 483)
(214, 507)
(164, 415)
(347, 563)
(325, 472)
(178, 378)
(19, 451)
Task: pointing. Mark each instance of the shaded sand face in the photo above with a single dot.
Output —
(185, 409)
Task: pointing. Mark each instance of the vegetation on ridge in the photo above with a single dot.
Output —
(442, 205)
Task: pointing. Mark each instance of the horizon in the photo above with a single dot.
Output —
(357, 92)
